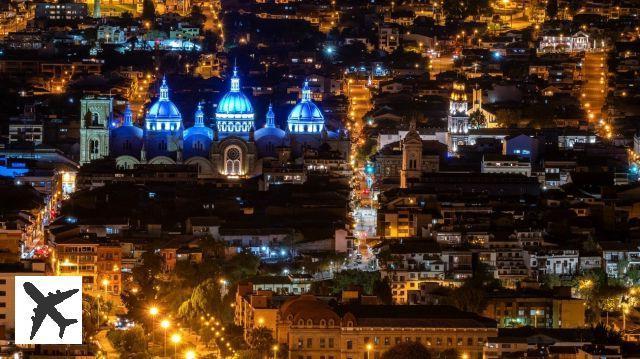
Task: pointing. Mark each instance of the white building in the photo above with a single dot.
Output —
(505, 164)
(578, 42)
(111, 34)
(8, 274)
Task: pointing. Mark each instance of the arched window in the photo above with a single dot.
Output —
(309, 323)
(95, 119)
(198, 146)
(331, 323)
(300, 322)
(322, 322)
(94, 149)
(126, 145)
(162, 145)
(232, 161)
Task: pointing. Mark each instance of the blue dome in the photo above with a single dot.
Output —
(163, 110)
(234, 103)
(306, 117)
(306, 112)
(198, 128)
(126, 139)
(269, 132)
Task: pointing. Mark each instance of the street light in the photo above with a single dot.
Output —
(105, 283)
(165, 325)
(190, 354)
(175, 339)
(224, 287)
(369, 347)
(275, 350)
(153, 311)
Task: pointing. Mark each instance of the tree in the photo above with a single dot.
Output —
(552, 9)
(477, 119)
(354, 277)
(454, 9)
(204, 300)
(148, 10)
(260, 340)
(413, 350)
(129, 342)
(382, 290)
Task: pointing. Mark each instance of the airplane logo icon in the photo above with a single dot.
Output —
(46, 306)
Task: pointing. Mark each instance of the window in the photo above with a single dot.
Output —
(94, 149)
(162, 145)
(349, 344)
(322, 343)
(309, 342)
(3, 281)
(300, 343)
(331, 344)
(233, 160)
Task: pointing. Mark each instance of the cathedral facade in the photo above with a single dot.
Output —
(231, 147)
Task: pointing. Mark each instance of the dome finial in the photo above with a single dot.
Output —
(271, 118)
(199, 122)
(164, 89)
(306, 92)
(235, 81)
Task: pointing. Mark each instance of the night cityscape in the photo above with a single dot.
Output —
(322, 179)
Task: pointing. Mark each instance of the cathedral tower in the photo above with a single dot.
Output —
(95, 114)
(411, 157)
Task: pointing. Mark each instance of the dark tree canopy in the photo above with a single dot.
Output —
(404, 350)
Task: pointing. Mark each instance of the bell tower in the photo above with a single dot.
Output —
(95, 114)
(411, 157)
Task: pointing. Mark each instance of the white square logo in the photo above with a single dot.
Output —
(48, 310)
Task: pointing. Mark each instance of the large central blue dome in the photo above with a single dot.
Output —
(234, 101)
(234, 114)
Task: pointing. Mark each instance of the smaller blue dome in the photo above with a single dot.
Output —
(163, 110)
(269, 132)
(306, 112)
(199, 127)
(306, 117)
(126, 139)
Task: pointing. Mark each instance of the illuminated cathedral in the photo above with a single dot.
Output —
(230, 147)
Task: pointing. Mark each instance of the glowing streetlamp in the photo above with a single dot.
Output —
(275, 350)
(369, 347)
(190, 354)
(175, 339)
(105, 283)
(153, 311)
(165, 324)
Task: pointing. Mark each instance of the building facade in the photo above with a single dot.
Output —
(230, 147)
